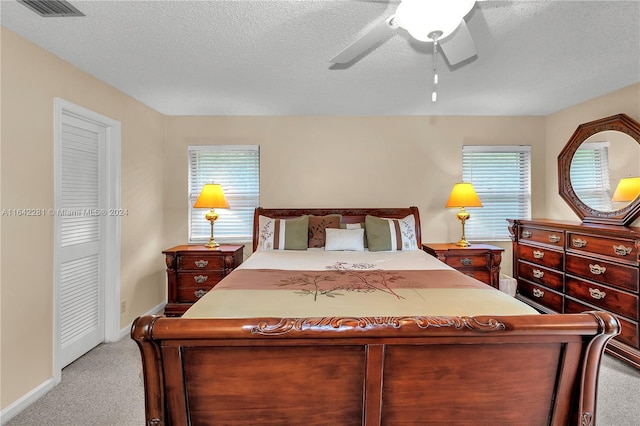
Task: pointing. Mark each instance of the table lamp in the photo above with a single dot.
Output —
(627, 190)
(211, 197)
(463, 195)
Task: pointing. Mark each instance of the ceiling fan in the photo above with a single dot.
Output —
(438, 21)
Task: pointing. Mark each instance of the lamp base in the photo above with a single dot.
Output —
(212, 244)
(463, 243)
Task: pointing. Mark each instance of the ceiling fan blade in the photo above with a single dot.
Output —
(459, 46)
(380, 33)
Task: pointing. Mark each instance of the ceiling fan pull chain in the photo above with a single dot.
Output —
(434, 36)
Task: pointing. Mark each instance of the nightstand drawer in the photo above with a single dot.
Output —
(473, 261)
(190, 294)
(192, 262)
(484, 276)
(203, 279)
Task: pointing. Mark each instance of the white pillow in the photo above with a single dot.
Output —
(344, 239)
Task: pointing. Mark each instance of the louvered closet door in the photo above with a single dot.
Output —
(80, 217)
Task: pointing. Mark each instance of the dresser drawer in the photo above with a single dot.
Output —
(618, 249)
(195, 262)
(540, 275)
(549, 237)
(541, 295)
(628, 329)
(613, 274)
(542, 256)
(615, 301)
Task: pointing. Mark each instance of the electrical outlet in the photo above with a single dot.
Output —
(123, 306)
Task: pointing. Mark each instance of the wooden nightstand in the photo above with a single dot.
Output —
(193, 270)
(480, 261)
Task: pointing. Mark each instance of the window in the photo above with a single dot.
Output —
(501, 176)
(590, 175)
(237, 169)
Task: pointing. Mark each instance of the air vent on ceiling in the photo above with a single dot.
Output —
(51, 8)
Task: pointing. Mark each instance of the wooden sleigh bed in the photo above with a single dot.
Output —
(366, 354)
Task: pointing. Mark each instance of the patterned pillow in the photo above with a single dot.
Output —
(282, 234)
(391, 234)
(317, 226)
(345, 239)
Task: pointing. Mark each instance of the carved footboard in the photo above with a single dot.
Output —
(539, 369)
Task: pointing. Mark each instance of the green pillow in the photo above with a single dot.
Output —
(390, 234)
(283, 234)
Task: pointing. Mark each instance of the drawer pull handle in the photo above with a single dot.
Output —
(597, 269)
(577, 242)
(201, 263)
(538, 254)
(621, 250)
(537, 273)
(526, 234)
(597, 294)
(200, 279)
(538, 293)
(470, 274)
(199, 293)
(466, 261)
(554, 238)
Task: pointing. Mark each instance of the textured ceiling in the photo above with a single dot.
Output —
(272, 57)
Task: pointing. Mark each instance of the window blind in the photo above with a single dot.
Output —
(590, 175)
(237, 169)
(501, 176)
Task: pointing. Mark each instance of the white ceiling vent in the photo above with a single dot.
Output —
(51, 8)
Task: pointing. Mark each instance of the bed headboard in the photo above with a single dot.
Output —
(349, 215)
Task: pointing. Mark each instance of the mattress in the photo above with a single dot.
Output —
(319, 283)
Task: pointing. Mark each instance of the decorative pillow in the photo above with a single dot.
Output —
(391, 234)
(345, 239)
(355, 226)
(317, 226)
(282, 234)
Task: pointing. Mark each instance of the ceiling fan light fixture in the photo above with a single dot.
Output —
(423, 17)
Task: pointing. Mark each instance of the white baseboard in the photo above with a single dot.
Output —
(126, 330)
(21, 404)
(38, 392)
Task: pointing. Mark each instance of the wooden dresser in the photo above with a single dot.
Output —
(562, 267)
(193, 270)
(479, 261)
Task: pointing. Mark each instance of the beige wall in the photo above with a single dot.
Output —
(560, 126)
(349, 161)
(305, 161)
(31, 78)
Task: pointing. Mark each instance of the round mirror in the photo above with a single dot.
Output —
(599, 171)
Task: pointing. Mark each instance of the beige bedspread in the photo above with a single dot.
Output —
(366, 284)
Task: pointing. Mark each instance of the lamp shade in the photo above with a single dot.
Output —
(627, 190)
(463, 195)
(422, 17)
(211, 197)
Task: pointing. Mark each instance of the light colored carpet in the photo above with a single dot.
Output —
(104, 388)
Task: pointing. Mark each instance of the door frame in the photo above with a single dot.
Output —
(111, 298)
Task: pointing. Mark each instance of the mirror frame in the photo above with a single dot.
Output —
(620, 122)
